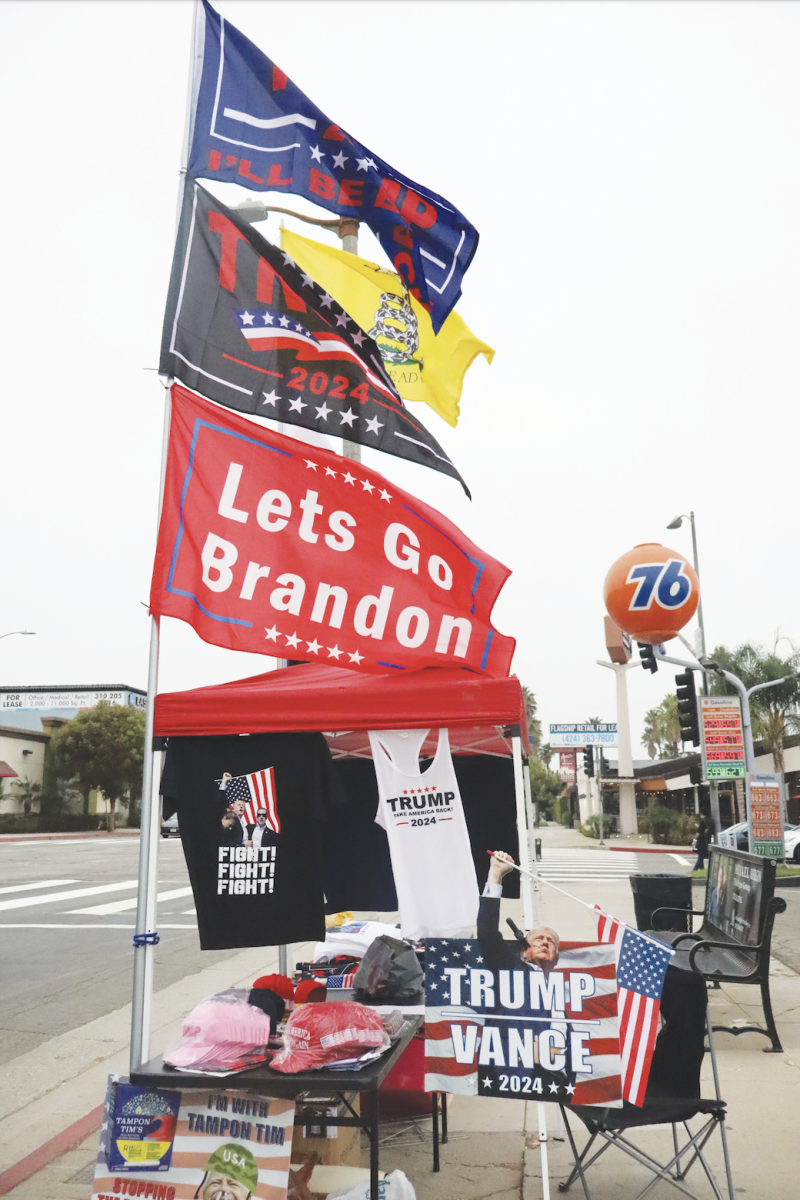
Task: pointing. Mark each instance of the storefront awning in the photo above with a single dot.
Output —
(6, 772)
(345, 704)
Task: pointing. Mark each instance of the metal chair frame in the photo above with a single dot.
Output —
(673, 1172)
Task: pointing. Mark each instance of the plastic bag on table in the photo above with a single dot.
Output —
(318, 1034)
(389, 970)
(223, 1033)
(394, 1186)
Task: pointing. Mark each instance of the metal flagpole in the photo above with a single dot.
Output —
(145, 936)
(348, 232)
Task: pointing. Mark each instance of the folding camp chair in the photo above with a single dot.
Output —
(609, 1127)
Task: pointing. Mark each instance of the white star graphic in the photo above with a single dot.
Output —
(325, 300)
(363, 164)
(247, 318)
(310, 466)
(570, 1088)
(268, 318)
(287, 258)
(374, 425)
(347, 418)
(314, 647)
(356, 658)
(330, 471)
(487, 1083)
(299, 329)
(323, 411)
(371, 162)
(272, 634)
(385, 495)
(367, 486)
(358, 338)
(307, 281)
(284, 323)
(478, 958)
(334, 652)
(317, 154)
(270, 397)
(348, 478)
(339, 160)
(292, 640)
(554, 1088)
(297, 405)
(342, 320)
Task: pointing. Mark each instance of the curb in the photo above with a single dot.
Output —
(52, 1149)
(49, 837)
(655, 849)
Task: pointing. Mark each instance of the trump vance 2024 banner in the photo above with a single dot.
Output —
(275, 547)
(248, 329)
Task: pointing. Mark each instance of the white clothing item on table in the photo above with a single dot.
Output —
(422, 813)
(355, 938)
(394, 1186)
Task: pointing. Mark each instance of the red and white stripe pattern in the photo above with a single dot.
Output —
(443, 1024)
(257, 791)
(641, 965)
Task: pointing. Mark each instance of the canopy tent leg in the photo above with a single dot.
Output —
(526, 889)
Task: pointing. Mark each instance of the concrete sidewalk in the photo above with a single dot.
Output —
(493, 1152)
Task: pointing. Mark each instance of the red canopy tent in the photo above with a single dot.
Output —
(345, 705)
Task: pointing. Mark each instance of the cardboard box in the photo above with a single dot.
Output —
(336, 1145)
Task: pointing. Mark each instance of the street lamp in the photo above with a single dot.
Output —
(24, 632)
(676, 523)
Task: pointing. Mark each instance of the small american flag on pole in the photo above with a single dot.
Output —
(258, 792)
(641, 967)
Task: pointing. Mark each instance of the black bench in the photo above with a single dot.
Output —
(733, 943)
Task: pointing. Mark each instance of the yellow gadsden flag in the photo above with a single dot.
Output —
(423, 366)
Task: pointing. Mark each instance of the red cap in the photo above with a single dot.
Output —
(280, 984)
(310, 991)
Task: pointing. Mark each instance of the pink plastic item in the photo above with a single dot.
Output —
(220, 1032)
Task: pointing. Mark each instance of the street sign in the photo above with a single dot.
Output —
(723, 743)
(766, 816)
(583, 735)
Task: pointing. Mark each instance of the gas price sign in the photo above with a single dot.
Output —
(723, 741)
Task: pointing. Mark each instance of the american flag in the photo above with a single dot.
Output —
(257, 791)
(448, 1023)
(340, 981)
(641, 967)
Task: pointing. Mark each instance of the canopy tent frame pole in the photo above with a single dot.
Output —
(526, 887)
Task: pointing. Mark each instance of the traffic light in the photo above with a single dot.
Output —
(647, 655)
(696, 775)
(687, 708)
(588, 761)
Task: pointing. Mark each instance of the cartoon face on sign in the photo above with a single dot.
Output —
(651, 593)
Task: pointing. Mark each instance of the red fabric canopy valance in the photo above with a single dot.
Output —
(474, 708)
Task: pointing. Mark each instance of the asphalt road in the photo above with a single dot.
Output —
(65, 958)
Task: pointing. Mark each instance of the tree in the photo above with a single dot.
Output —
(545, 786)
(27, 792)
(103, 748)
(662, 730)
(774, 711)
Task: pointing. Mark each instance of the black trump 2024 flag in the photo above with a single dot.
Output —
(248, 329)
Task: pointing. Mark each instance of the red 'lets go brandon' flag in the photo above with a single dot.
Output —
(247, 328)
(274, 547)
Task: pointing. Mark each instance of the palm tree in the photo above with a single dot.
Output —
(662, 730)
(651, 738)
(774, 711)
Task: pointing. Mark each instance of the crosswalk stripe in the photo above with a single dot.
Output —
(29, 887)
(54, 897)
(118, 906)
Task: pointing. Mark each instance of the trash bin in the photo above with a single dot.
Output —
(662, 891)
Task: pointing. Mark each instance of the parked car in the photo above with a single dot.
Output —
(169, 828)
(735, 837)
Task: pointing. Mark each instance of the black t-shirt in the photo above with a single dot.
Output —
(267, 896)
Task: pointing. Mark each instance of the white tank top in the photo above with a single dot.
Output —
(422, 814)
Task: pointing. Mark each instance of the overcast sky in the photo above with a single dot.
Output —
(633, 171)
